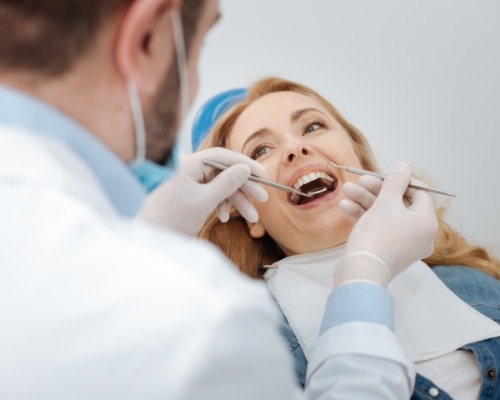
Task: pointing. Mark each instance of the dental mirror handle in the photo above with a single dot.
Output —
(254, 178)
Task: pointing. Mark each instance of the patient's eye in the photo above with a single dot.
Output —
(312, 126)
(259, 151)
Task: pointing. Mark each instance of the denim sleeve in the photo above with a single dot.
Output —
(358, 301)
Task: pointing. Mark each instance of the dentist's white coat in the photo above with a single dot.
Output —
(95, 306)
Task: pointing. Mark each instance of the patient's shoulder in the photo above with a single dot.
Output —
(476, 288)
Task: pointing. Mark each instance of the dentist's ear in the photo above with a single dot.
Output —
(144, 45)
(256, 229)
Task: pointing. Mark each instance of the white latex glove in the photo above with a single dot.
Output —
(184, 202)
(396, 227)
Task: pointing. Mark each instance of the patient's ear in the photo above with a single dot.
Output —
(256, 229)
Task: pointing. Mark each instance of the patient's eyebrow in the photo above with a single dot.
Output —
(297, 114)
(256, 134)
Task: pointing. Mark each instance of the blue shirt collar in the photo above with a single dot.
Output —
(22, 110)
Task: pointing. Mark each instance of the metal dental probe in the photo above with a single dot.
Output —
(267, 182)
(415, 185)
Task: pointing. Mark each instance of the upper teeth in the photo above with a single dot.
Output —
(311, 177)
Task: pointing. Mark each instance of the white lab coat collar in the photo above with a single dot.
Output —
(20, 111)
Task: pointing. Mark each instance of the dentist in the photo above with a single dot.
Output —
(97, 304)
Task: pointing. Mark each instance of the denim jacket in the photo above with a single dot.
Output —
(477, 289)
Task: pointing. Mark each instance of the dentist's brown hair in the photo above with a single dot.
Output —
(56, 33)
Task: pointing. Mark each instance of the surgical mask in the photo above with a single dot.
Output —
(149, 173)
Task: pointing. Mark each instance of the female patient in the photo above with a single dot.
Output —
(297, 242)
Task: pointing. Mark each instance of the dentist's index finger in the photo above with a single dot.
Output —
(396, 181)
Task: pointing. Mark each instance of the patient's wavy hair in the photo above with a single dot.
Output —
(249, 254)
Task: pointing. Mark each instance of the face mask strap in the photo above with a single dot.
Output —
(133, 93)
(180, 50)
(137, 116)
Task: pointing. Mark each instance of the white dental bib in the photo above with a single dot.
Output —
(430, 320)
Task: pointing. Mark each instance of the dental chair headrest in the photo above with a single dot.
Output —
(210, 111)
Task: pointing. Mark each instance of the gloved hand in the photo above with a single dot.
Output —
(184, 202)
(396, 227)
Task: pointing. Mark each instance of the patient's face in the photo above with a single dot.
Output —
(294, 137)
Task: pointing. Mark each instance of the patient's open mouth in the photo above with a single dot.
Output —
(312, 181)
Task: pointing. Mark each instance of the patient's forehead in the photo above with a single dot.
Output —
(271, 111)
